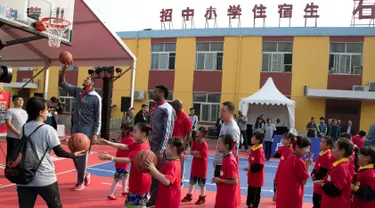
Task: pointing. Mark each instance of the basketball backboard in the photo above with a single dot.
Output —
(22, 14)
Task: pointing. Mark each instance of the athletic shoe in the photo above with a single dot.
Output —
(187, 198)
(87, 179)
(201, 200)
(111, 197)
(78, 187)
(274, 198)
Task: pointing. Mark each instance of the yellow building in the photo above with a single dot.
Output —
(319, 68)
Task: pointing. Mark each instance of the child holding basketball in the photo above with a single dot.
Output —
(121, 168)
(139, 183)
(169, 176)
(255, 171)
(199, 151)
(227, 195)
(321, 167)
(336, 185)
(283, 153)
(364, 187)
(294, 175)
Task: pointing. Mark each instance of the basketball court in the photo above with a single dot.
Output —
(94, 196)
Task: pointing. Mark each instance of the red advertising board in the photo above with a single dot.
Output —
(4, 106)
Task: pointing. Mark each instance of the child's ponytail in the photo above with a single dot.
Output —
(126, 129)
(179, 144)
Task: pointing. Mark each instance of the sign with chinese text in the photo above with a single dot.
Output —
(363, 10)
(4, 106)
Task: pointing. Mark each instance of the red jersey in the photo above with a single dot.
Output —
(256, 156)
(365, 178)
(170, 196)
(290, 189)
(358, 141)
(182, 125)
(339, 175)
(199, 165)
(227, 195)
(139, 183)
(324, 161)
(124, 153)
(285, 153)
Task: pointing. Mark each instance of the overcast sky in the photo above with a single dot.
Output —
(130, 15)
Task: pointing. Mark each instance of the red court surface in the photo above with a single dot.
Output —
(93, 196)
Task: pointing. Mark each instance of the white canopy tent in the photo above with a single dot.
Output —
(270, 102)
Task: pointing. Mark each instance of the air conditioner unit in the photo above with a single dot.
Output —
(371, 86)
(358, 88)
(139, 94)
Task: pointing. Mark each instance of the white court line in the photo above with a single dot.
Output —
(209, 184)
(60, 173)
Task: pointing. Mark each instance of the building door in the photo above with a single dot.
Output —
(344, 110)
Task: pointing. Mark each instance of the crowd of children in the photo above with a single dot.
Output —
(343, 173)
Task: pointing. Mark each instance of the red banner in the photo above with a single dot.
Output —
(4, 106)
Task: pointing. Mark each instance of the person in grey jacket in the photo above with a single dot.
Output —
(242, 123)
(87, 116)
(162, 116)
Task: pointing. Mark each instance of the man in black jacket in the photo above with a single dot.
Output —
(142, 115)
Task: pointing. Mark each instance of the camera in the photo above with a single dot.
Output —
(6, 74)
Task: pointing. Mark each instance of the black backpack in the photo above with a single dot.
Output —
(23, 162)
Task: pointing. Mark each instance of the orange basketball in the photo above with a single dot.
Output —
(66, 58)
(141, 157)
(79, 142)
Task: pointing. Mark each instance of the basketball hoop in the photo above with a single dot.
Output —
(55, 28)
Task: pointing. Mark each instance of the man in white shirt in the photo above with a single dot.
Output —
(229, 127)
(15, 118)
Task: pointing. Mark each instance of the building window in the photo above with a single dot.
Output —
(25, 68)
(71, 68)
(209, 56)
(151, 102)
(277, 56)
(345, 58)
(207, 106)
(163, 56)
(68, 100)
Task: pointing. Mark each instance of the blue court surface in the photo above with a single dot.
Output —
(108, 169)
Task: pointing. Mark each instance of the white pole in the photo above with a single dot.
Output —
(46, 78)
(132, 83)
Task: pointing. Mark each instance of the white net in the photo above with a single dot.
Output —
(55, 36)
(56, 32)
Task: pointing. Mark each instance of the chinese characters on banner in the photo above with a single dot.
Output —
(4, 106)
(364, 9)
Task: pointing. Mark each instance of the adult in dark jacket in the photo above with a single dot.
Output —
(55, 107)
(142, 115)
(335, 130)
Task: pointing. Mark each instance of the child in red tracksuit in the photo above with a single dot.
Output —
(283, 153)
(139, 182)
(255, 170)
(199, 166)
(169, 175)
(321, 168)
(294, 175)
(364, 186)
(228, 192)
(336, 185)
